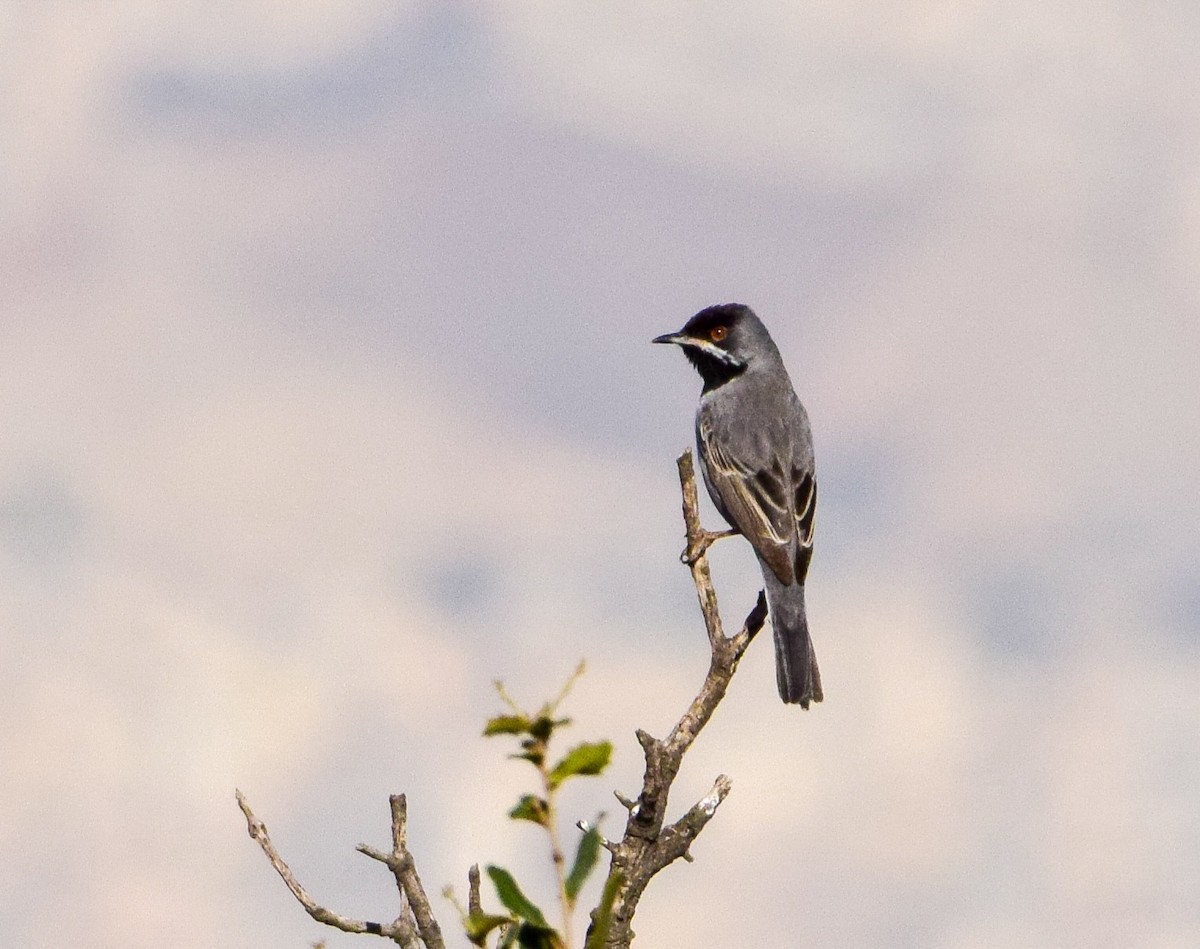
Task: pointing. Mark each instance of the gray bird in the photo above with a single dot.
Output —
(756, 454)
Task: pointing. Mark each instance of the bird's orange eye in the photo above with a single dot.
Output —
(718, 333)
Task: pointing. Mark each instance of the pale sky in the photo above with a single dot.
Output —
(327, 398)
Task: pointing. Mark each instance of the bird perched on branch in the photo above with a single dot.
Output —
(756, 455)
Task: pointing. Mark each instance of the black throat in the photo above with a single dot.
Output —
(714, 372)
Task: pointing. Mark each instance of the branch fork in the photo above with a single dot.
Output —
(413, 928)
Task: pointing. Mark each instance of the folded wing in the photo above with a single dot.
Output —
(756, 499)
(805, 508)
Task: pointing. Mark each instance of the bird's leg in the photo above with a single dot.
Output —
(698, 546)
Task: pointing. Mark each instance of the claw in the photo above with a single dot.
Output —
(694, 552)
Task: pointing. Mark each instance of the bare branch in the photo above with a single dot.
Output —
(407, 879)
(647, 847)
(474, 904)
(677, 839)
(258, 832)
(414, 927)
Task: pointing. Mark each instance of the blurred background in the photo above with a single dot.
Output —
(326, 398)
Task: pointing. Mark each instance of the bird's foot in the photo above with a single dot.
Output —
(699, 547)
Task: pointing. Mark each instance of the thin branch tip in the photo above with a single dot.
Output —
(474, 903)
(721, 788)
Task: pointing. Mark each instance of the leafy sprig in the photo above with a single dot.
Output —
(526, 925)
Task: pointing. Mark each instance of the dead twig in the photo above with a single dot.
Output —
(413, 928)
(404, 868)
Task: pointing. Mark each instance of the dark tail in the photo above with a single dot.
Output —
(795, 662)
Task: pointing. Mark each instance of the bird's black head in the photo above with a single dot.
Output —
(722, 342)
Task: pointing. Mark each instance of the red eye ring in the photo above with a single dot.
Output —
(718, 333)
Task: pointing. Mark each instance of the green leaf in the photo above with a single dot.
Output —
(478, 925)
(585, 860)
(531, 808)
(602, 921)
(511, 896)
(588, 758)
(507, 725)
